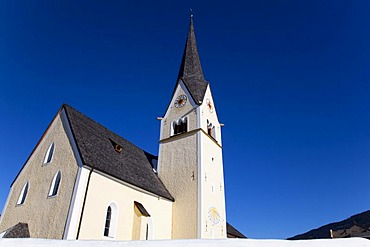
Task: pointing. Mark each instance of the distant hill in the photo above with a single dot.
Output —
(361, 219)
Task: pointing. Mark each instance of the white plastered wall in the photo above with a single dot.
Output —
(206, 113)
(212, 179)
(104, 190)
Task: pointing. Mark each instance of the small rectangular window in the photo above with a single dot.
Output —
(118, 148)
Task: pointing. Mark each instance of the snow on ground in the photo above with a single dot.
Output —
(348, 242)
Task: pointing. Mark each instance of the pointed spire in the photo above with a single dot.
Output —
(191, 72)
(190, 65)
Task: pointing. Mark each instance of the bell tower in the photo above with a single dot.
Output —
(190, 152)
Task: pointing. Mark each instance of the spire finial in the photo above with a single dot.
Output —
(191, 13)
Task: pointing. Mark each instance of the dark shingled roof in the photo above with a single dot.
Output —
(191, 72)
(132, 165)
(233, 233)
(20, 230)
(141, 209)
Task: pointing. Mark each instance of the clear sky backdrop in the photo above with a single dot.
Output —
(290, 80)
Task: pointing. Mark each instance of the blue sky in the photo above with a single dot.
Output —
(290, 80)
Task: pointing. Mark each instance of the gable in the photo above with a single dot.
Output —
(190, 104)
(30, 199)
(196, 87)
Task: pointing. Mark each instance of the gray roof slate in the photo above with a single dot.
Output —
(96, 147)
(233, 232)
(191, 72)
(20, 230)
(142, 209)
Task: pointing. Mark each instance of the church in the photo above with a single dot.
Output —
(82, 181)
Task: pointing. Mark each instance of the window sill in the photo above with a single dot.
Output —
(108, 237)
(179, 133)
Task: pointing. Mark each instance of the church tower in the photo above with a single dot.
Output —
(190, 152)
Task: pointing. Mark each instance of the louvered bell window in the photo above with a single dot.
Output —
(180, 126)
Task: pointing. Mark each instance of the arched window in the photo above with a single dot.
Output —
(107, 221)
(49, 154)
(147, 232)
(110, 221)
(149, 228)
(211, 130)
(23, 194)
(180, 126)
(55, 184)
